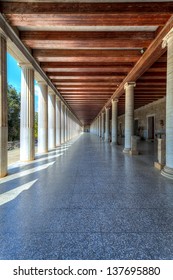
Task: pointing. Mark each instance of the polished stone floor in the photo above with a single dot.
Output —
(87, 200)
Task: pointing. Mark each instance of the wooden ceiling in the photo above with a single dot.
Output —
(89, 50)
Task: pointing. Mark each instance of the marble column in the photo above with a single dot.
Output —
(129, 115)
(43, 118)
(114, 121)
(65, 123)
(58, 121)
(168, 168)
(69, 125)
(107, 126)
(62, 124)
(100, 126)
(103, 126)
(27, 114)
(3, 106)
(51, 120)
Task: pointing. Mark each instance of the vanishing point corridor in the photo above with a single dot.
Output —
(87, 200)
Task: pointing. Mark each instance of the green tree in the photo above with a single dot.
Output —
(13, 113)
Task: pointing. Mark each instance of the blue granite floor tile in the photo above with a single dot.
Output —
(81, 220)
(82, 246)
(84, 200)
(84, 188)
(33, 246)
(94, 202)
(131, 246)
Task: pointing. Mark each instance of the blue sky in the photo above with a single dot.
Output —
(13, 73)
(14, 77)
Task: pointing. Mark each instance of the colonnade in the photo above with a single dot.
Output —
(56, 123)
(111, 135)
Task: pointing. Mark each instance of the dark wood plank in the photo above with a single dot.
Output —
(85, 8)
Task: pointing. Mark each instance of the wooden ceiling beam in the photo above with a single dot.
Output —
(84, 90)
(86, 78)
(86, 8)
(57, 39)
(87, 84)
(80, 55)
(90, 69)
(81, 65)
(90, 43)
(85, 35)
(87, 53)
(59, 20)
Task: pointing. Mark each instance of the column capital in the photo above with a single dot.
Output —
(42, 83)
(167, 38)
(114, 100)
(107, 108)
(129, 84)
(25, 65)
(2, 34)
(50, 91)
(58, 98)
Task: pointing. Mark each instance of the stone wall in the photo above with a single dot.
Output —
(156, 109)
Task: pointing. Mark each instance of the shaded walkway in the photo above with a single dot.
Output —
(91, 202)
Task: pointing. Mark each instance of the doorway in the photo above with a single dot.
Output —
(151, 128)
(136, 123)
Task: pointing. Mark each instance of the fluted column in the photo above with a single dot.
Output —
(65, 123)
(129, 115)
(114, 121)
(107, 126)
(58, 121)
(100, 126)
(62, 124)
(27, 142)
(3, 106)
(168, 168)
(51, 120)
(103, 121)
(43, 118)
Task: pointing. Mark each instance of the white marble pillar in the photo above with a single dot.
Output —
(103, 126)
(51, 120)
(99, 126)
(43, 118)
(168, 168)
(65, 123)
(114, 121)
(27, 141)
(62, 124)
(129, 115)
(69, 126)
(107, 124)
(3, 106)
(58, 121)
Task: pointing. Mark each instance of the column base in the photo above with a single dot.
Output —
(167, 172)
(133, 152)
(158, 165)
(126, 150)
(114, 143)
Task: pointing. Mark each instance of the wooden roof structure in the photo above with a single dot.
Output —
(90, 49)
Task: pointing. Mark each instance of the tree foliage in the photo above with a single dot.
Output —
(13, 113)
